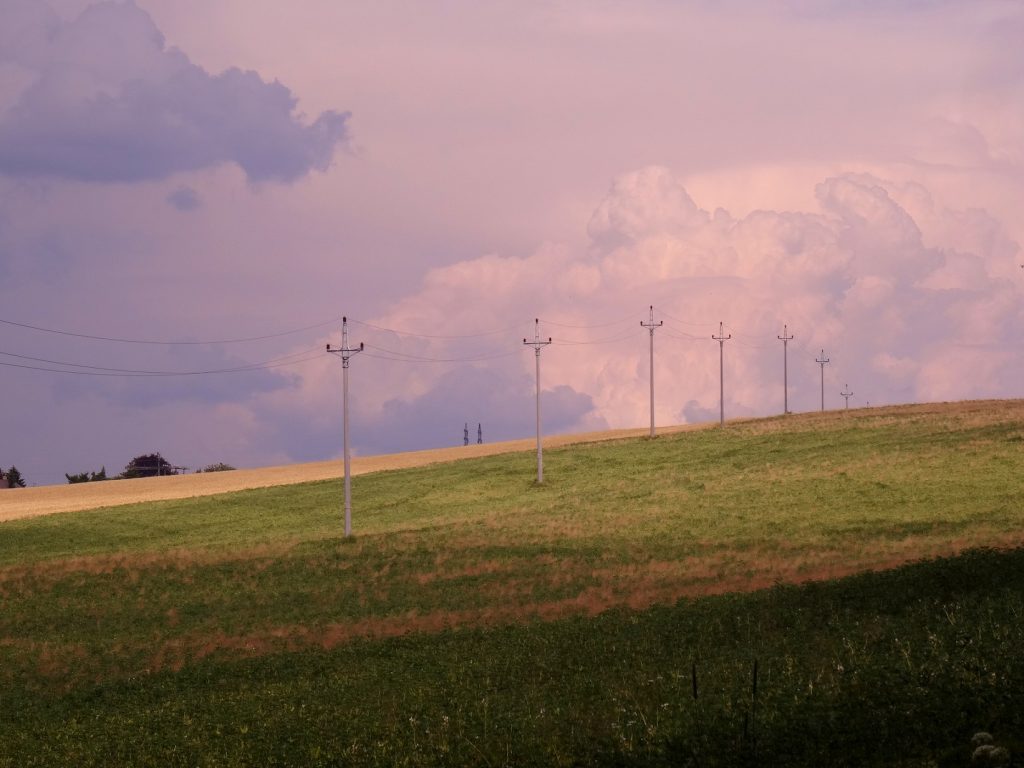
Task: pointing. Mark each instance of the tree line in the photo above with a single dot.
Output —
(146, 465)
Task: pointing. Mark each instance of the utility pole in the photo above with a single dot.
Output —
(346, 353)
(465, 434)
(785, 338)
(650, 326)
(721, 338)
(537, 345)
(479, 434)
(847, 395)
(822, 361)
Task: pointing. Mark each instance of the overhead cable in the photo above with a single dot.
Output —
(166, 342)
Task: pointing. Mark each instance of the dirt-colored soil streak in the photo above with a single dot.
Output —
(169, 560)
(630, 587)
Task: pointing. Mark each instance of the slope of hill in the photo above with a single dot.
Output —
(45, 500)
(478, 618)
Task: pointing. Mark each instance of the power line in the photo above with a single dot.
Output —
(135, 372)
(404, 357)
(667, 316)
(154, 375)
(607, 340)
(66, 367)
(684, 336)
(495, 332)
(739, 340)
(93, 337)
(596, 325)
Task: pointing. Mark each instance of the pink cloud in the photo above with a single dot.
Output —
(854, 278)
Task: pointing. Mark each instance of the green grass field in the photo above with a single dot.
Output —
(479, 619)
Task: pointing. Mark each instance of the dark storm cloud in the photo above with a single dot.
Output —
(184, 199)
(110, 102)
(502, 404)
(152, 391)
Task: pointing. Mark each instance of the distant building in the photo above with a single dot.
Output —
(3, 481)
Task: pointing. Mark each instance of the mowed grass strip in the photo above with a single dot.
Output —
(128, 591)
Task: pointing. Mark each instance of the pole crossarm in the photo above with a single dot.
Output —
(721, 338)
(346, 353)
(538, 344)
(847, 394)
(650, 325)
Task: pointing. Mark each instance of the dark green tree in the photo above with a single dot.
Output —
(14, 478)
(87, 477)
(148, 465)
(220, 466)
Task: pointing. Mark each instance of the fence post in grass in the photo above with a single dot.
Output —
(697, 736)
(537, 345)
(753, 715)
(346, 354)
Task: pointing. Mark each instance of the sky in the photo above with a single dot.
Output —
(204, 188)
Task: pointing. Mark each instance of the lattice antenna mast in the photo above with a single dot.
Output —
(465, 433)
(479, 434)
(346, 353)
(822, 361)
(538, 345)
(847, 395)
(650, 326)
(785, 338)
(721, 338)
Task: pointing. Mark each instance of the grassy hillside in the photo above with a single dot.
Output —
(242, 629)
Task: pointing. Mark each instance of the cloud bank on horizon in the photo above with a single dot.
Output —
(867, 204)
(904, 296)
